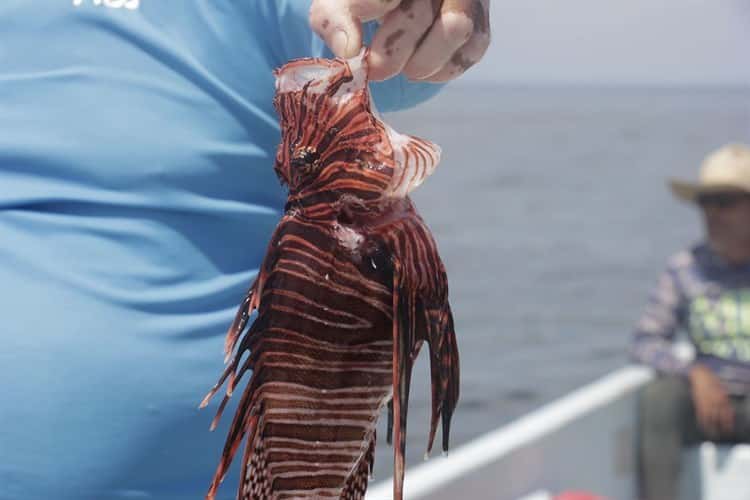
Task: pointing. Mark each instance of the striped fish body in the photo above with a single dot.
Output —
(350, 288)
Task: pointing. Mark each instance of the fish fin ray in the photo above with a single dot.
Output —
(415, 159)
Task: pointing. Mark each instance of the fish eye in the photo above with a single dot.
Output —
(306, 157)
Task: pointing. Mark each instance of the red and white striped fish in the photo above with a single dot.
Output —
(350, 288)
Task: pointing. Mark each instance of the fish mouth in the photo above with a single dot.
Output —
(318, 75)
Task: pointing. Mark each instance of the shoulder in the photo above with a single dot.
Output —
(684, 259)
(696, 255)
(680, 270)
(687, 269)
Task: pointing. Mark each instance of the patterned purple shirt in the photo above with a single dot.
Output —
(710, 301)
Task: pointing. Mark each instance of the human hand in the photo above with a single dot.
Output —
(429, 40)
(712, 406)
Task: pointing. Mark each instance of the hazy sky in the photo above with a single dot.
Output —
(650, 42)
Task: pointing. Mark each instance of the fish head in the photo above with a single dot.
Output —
(334, 144)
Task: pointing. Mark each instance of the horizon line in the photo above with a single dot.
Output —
(573, 85)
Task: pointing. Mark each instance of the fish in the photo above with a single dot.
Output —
(349, 290)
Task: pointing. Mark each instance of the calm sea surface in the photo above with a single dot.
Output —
(553, 218)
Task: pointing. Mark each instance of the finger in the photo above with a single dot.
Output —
(449, 32)
(398, 36)
(472, 51)
(339, 28)
(464, 58)
(367, 10)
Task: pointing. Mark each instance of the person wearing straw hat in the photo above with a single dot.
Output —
(704, 291)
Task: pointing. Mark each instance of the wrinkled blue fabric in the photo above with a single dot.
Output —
(136, 198)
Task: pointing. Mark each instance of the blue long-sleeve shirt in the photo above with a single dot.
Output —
(710, 301)
(137, 195)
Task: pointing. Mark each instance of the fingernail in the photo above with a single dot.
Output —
(339, 43)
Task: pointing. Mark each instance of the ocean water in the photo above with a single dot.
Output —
(553, 218)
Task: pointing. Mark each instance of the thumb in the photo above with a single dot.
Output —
(337, 26)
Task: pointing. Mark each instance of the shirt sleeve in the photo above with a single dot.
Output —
(296, 40)
(655, 331)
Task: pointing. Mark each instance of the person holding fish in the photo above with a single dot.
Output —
(137, 198)
(704, 291)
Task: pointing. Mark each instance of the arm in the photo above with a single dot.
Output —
(654, 333)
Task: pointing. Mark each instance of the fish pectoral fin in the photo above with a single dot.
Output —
(444, 371)
(421, 313)
(405, 340)
(247, 306)
(415, 160)
(251, 301)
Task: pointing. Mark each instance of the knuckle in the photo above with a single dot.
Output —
(461, 61)
(483, 43)
(371, 9)
(476, 47)
(457, 25)
(383, 66)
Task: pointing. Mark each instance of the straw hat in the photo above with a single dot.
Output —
(726, 169)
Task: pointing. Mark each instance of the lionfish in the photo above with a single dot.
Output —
(349, 289)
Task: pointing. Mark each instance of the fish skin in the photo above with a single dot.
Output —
(350, 288)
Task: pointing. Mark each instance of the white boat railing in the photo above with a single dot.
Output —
(539, 451)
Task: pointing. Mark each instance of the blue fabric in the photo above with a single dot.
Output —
(136, 198)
